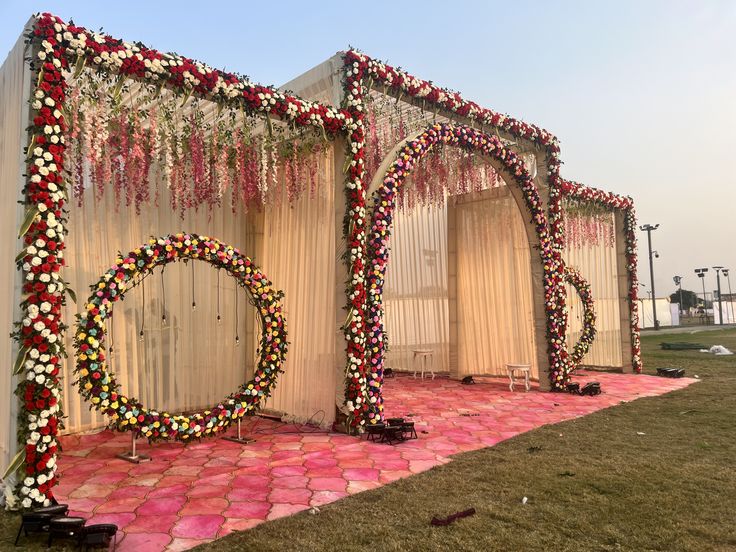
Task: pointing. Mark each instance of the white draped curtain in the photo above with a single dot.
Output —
(597, 264)
(494, 288)
(415, 293)
(14, 90)
(190, 361)
(494, 293)
(296, 250)
(185, 362)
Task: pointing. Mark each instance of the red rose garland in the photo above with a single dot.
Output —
(100, 388)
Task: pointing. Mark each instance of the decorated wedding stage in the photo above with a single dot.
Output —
(195, 249)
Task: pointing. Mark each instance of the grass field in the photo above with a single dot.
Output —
(654, 474)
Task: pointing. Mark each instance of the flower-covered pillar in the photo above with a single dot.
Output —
(627, 294)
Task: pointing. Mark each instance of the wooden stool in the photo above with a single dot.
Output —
(423, 355)
(525, 369)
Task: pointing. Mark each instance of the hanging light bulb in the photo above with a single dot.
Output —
(194, 303)
(219, 319)
(163, 295)
(237, 341)
(143, 312)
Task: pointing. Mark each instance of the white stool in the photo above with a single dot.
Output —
(423, 355)
(525, 369)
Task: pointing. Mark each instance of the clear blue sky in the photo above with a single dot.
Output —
(642, 94)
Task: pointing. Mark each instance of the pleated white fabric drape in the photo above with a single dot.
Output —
(415, 293)
(597, 264)
(494, 294)
(14, 90)
(494, 289)
(186, 362)
(190, 361)
(297, 252)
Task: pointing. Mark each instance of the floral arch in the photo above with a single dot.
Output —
(99, 386)
(526, 194)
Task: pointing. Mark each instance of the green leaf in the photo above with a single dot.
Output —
(30, 216)
(71, 293)
(31, 144)
(186, 98)
(19, 256)
(16, 463)
(21, 358)
(79, 66)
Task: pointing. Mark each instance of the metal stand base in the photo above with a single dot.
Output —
(239, 439)
(132, 456)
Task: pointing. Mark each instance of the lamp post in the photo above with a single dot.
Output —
(720, 302)
(648, 228)
(701, 274)
(678, 283)
(730, 294)
(642, 317)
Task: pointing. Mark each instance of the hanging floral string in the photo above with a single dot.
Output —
(199, 159)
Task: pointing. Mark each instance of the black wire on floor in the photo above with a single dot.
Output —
(310, 426)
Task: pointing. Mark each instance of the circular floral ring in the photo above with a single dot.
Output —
(128, 414)
(576, 280)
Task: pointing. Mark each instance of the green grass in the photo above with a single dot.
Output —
(593, 483)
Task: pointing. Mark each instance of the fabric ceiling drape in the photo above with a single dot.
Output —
(597, 264)
(494, 289)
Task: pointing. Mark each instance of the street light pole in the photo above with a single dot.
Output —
(720, 302)
(730, 294)
(701, 274)
(648, 228)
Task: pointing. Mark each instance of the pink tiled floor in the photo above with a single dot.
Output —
(194, 494)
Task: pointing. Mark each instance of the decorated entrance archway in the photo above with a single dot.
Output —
(512, 169)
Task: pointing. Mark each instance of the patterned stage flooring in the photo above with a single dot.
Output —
(189, 495)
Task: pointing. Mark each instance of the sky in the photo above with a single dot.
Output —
(641, 94)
